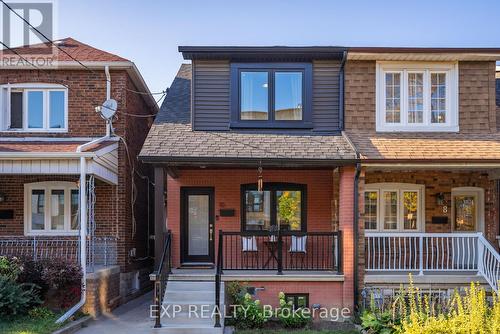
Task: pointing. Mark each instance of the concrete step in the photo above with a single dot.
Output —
(198, 297)
(191, 286)
(188, 329)
(183, 318)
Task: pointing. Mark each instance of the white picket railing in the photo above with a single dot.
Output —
(432, 252)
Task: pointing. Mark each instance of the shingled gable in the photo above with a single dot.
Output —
(172, 140)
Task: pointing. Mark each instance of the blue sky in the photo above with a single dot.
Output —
(148, 32)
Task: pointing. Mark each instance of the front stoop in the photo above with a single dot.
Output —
(198, 291)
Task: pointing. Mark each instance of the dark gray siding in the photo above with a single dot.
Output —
(211, 102)
(326, 95)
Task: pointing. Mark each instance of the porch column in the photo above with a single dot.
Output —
(346, 225)
(160, 222)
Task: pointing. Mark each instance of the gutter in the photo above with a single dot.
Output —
(356, 232)
(83, 211)
(341, 91)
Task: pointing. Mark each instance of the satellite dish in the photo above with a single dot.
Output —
(108, 109)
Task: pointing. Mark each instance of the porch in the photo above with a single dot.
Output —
(439, 224)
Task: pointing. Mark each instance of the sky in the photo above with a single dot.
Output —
(148, 32)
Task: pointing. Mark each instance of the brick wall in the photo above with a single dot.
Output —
(476, 96)
(443, 181)
(227, 195)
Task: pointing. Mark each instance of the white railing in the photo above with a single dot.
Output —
(432, 252)
(102, 251)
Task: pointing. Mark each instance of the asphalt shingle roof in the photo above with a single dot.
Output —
(171, 137)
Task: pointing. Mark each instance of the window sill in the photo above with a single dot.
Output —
(53, 234)
(271, 125)
(34, 131)
(389, 128)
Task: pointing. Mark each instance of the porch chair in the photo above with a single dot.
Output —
(298, 248)
(249, 248)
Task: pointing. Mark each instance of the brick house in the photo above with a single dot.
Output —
(325, 172)
(48, 118)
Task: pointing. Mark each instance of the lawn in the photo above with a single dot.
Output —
(28, 325)
(299, 331)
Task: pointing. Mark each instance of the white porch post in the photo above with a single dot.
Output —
(480, 255)
(421, 255)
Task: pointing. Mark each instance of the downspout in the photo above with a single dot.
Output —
(83, 210)
(356, 233)
(341, 91)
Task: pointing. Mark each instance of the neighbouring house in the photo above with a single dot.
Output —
(48, 171)
(424, 122)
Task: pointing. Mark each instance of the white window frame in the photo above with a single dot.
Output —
(25, 88)
(380, 188)
(48, 187)
(452, 95)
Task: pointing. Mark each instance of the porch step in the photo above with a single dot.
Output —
(193, 301)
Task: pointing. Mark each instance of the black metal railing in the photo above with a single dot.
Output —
(285, 250)
(160, 277)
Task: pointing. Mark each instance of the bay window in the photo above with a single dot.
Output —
(279, 206)
(417, 97)
(51, 208)
(34, 107)
(393, 207)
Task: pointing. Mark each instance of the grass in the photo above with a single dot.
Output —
(28, 325)
(299, 331)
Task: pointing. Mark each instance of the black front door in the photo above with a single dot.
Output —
(197, 224)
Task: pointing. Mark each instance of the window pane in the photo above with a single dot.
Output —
(415, 97)
(254, 96)
(56, 109)
(57, 210)
(288, 96)
(410, 207)
(438, 97)
(392, 97)
(37, 209)
(16, 110)
(288, 210)
(465, 213)
(75, 212)
(390, 199)
(35, 109)
(371, 198)
(258, 210)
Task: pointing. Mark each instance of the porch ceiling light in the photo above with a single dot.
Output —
(260, 181)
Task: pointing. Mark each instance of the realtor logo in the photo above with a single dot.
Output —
(17, 33)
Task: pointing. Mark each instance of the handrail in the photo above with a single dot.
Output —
(489, 262)
(160, 276)
(218, 274)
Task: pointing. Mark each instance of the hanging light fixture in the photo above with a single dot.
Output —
(260, 181)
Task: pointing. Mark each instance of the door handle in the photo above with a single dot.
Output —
(211, 231)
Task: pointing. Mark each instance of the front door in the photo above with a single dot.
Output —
(197, 222)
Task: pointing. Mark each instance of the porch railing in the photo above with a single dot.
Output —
(286, 250)
(160, 277)
(432, 252)
(101, 251)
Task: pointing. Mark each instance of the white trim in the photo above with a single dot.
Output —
(52, 139)
(47, 187)
(400, 188)
(45, 88)
(471, 191)
(452, 105)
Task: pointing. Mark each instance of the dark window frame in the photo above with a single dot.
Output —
(296, 297)
(274, 187)
(271, 68)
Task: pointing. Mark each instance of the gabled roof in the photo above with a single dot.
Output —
(172, 140)
(76, 49)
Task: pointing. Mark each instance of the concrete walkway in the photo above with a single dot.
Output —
(130, 318)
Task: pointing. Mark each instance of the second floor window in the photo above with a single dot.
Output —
(417, 97)
(34, 108)
(271, 95)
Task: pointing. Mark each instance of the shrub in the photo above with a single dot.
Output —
(16, 298)
(291, 318)
(249, 314)
(60, 275)
(31, 272)
(41, 313)
(9, 267)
